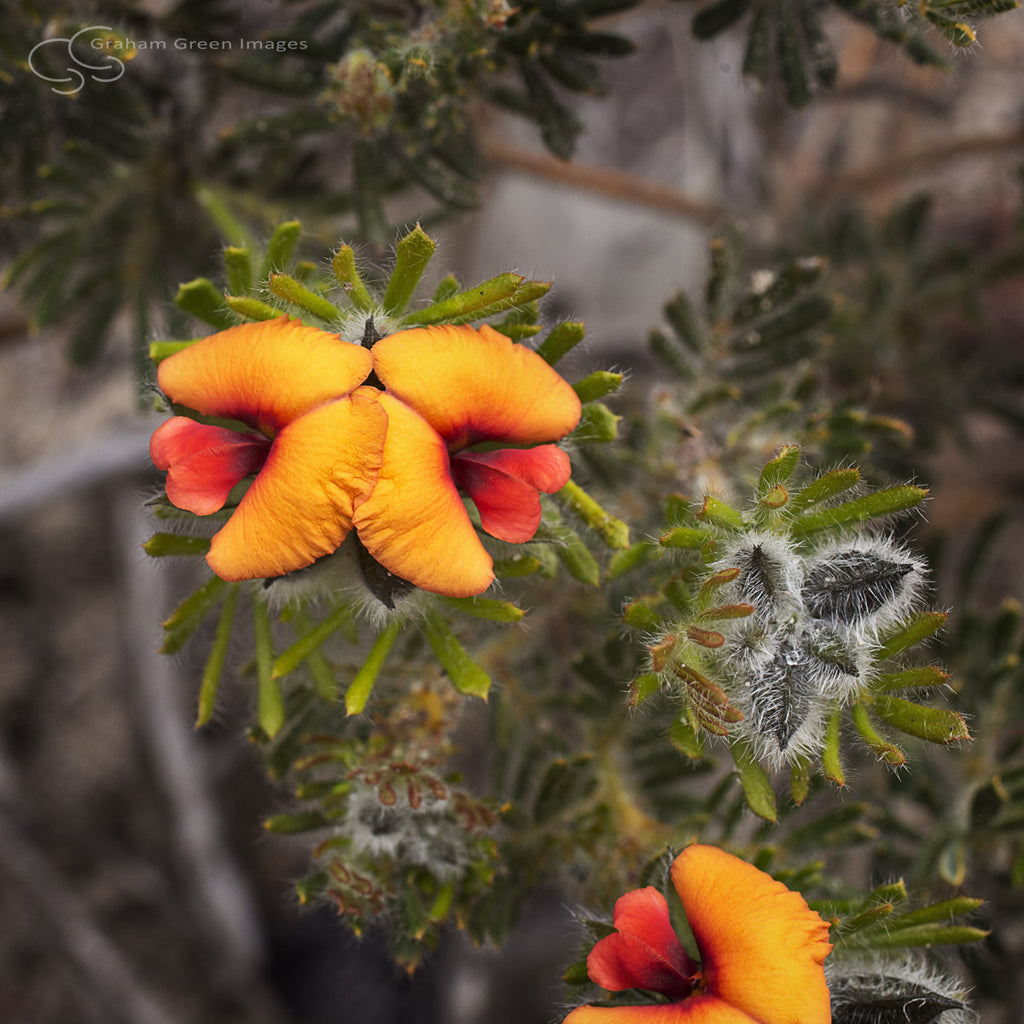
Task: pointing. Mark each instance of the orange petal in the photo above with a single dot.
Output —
(645, 951)
(204, 462)
(762, 948)
(414, 523)
(264, 374)
(300, 505)
(476, 385)
(504, 486)
(704, 1009)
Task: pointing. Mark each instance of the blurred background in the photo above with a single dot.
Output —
(136, 880)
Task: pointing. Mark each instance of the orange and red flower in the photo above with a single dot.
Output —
(761, 948)
(330, 453)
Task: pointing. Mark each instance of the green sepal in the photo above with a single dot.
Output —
(162, 545)
(936, 725)
(869, 506)
(287, 288)
(238, 267)
(757, 786)
(251, 309)
(202, 299)
(598, 425)
(466, 675)
(270, 701)
(281, 247)
(412, 254)
(344, 266)
(160, 350)
(597, 385)
(291, 658)
(489, 608)
(560, 341)
(908, 633)
(359, 690)
(184, 620)
(214, 668)
(612, 531)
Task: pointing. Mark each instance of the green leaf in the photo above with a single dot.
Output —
(270, 702)
(941, 911)
(908, 633)
(779, 469)
(685, 537)
(612, 531)
(569, 547)
(412, 255)
(825, 487)
(885, 750)
(466, 675)
(162, 545)
(238, 264)
(831, 765)
(757, 786)
(185, 619)
(291, 658)
(718, 17)
(214, 668)
(493, 296)
(344, 266)
(859, 510)
(160, 350)
(359, 690)
(565, 782)
(911, 678)
(597, 385)
(250, 308)
(287, 288)
(561, 339)
(598, 425)
(924, 935)
(488, 608)
(719, 513)
(202, 299)
(281, 247)
(936, 725)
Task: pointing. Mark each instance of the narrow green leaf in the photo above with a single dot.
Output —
(162, 545)
(214, 669)
(778, 471)
(446, 288)
(238, 265)
(290, 659)
(201, 298)
(831, 765)
(825, 487)
(612, 531)
(642, 687)
(569, 547)
(885, 750)
(185, 619)
(565, 782)
(685, 322)
(287, 288)
(598, 425)
(412, 254)
(160, 350)
(685, 537)
(757, 786)
(488, 608)
(359, 690)
(227, 223)
(281, 247)
(251, 309)
(720, 513)
(344, 267)
(911, 678)
(629, 558)
(923, 936)
(937, 725)
(494, 295)
(466, 675)
(597, 385)
(908, 633)
(561, 339)
(718, 17)
(800, 781)
(859, 510)
(685, 738)
(941, 911)
(270, 702)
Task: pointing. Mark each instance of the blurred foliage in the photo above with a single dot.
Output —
(787, 40)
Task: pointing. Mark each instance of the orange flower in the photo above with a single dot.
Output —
(315, 445)
(329, 454)
(450, 389)
(761, 950)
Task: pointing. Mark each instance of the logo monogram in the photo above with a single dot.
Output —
(109, 71)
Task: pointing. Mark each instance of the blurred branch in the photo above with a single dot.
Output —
(616, 185)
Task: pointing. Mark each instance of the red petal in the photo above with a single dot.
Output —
(204, 462)
(645, 952)
(504, 486)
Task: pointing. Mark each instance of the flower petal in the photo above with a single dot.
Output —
(300, 505)
(504, 486)
(762, 948)
(705, 1009)
(203, 463)
(414, 522)
(264, 374)
(476, 385)
(645, 951)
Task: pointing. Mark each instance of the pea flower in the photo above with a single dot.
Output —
(761, 950)
(331, 453)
